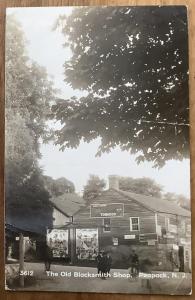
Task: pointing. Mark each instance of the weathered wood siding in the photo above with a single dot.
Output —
(59, 218)
(175, 227)
(119, 225)
(171, 229)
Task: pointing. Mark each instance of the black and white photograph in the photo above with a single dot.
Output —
(97, 160)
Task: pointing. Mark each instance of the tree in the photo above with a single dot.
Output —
(57, 187)
(181, 200)
(93, 188)
(133, 63)
(145, 186)
(27, 200)
(29, 94)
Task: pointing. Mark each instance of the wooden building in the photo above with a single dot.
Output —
(60, 234)
(117, 222)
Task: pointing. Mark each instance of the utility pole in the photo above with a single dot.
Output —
(72, 241)
(21, 259)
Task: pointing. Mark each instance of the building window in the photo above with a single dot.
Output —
(134, 224)
(106, 224)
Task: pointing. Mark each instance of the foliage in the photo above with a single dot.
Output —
(181, 200)
(145, 186)
(57, 187)
(133, 62)
(29, 94)
(93, 188)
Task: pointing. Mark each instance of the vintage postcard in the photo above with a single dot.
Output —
(97, 167)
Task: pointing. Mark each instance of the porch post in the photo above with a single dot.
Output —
(72, 244)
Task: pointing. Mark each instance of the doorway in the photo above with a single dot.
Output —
(181, 258)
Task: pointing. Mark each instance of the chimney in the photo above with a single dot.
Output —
(113, 182)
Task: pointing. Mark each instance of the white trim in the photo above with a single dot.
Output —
(156, 221)
(167, 222)
(158, 227)
(131, 225)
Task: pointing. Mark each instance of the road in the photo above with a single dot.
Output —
(83, 279)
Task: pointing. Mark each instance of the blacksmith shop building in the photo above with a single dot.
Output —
(118, 222)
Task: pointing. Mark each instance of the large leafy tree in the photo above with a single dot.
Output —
(180, 199)
(58, 187)
(133, 63)
(93, 188)
(149, 187)
(29, 94)
(145, 186)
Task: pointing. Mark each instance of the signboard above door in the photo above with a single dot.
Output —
(104, 210)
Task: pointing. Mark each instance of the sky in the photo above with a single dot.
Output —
(45, 47)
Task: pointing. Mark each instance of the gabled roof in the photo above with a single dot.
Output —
(68, 203)
(156, 204)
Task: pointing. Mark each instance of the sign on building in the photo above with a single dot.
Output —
(115, 241)
(129, 236)
(145, 237)
(172, 228)
(104, 210)
(87, 243)
(57, 240)
(151, 242)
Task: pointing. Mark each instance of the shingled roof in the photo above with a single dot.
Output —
(68, 203)
(157, 204)
(71, 203)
